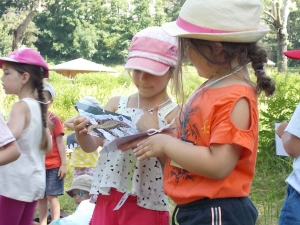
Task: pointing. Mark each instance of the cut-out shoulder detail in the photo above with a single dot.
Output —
(241, 115)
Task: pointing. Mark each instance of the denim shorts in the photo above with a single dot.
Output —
(290, 212)
(54, 186)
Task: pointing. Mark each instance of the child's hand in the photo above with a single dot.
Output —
(280, 129)
(62, 172)
(147, 120)
(152, 147)
(131, 145)
(79, 125)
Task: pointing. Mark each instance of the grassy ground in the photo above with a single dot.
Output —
(267, 193)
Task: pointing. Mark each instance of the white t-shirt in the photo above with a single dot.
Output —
(122, 170)
(294, 128)
(82, 215)
(5, 133)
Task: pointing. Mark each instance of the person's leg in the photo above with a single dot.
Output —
(54, 207)
(28, 213)
(290, 210)
(43, 210)
(11, 211)
(54, 188)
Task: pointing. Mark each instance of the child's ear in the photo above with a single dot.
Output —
(217, 49)
(25, 77)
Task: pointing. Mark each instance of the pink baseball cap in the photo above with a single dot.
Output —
(26, 56)
(293, 54)
(152, 50)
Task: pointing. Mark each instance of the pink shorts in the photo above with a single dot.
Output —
(129, 214)
(84, 170)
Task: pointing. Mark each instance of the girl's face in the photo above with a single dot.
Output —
(12, 81)
(200, 63)
(148, 84)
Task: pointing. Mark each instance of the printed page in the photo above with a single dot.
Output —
(279, 146)
(106, 124)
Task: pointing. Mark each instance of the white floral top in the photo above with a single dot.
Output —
(122, 171)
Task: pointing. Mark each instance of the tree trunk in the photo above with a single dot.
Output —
(284, 36)
(18, 33)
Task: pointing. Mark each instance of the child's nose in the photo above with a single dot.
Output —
(144, 76)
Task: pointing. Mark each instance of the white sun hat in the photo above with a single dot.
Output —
(91, 101)
(219, 20)
(48, 87)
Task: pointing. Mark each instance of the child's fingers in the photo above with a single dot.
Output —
(80, 123)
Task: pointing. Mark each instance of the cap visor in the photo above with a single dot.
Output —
(294, 54)
(244, 37)
(6, 59)
(147, 65)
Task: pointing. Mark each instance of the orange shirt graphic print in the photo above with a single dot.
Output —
(205, 128)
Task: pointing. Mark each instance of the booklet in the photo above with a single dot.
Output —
(113, 145)
(116, 128)
(106, 124)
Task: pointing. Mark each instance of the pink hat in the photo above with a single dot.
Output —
(293, 54)
(152, 50)
(26, 56)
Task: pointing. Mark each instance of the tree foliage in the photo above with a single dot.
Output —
(101, 30)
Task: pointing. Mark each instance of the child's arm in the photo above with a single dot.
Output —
(89, 143)
(17, 120)
(9, 153)
(62, 154)
(49, 141)
(69, 123)
(291, 142)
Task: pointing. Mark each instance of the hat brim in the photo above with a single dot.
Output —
(293, 54)
(243, 37)
(7, 59)
(70, 191)
(147, 65)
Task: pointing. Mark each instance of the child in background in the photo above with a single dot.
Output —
(83, 163)
(23, 181)
(290, 136)
(119, 177)
(79, 191)
(9, 149)
(55, 163)
(211, 161)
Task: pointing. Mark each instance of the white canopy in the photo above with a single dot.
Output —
(73, 67)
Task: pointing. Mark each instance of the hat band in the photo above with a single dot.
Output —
(187, 26)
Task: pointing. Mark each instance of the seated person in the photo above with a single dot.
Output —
(79, 191)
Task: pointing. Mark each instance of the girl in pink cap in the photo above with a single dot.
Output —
(23, 181)
(211, 161)
(129, 191)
